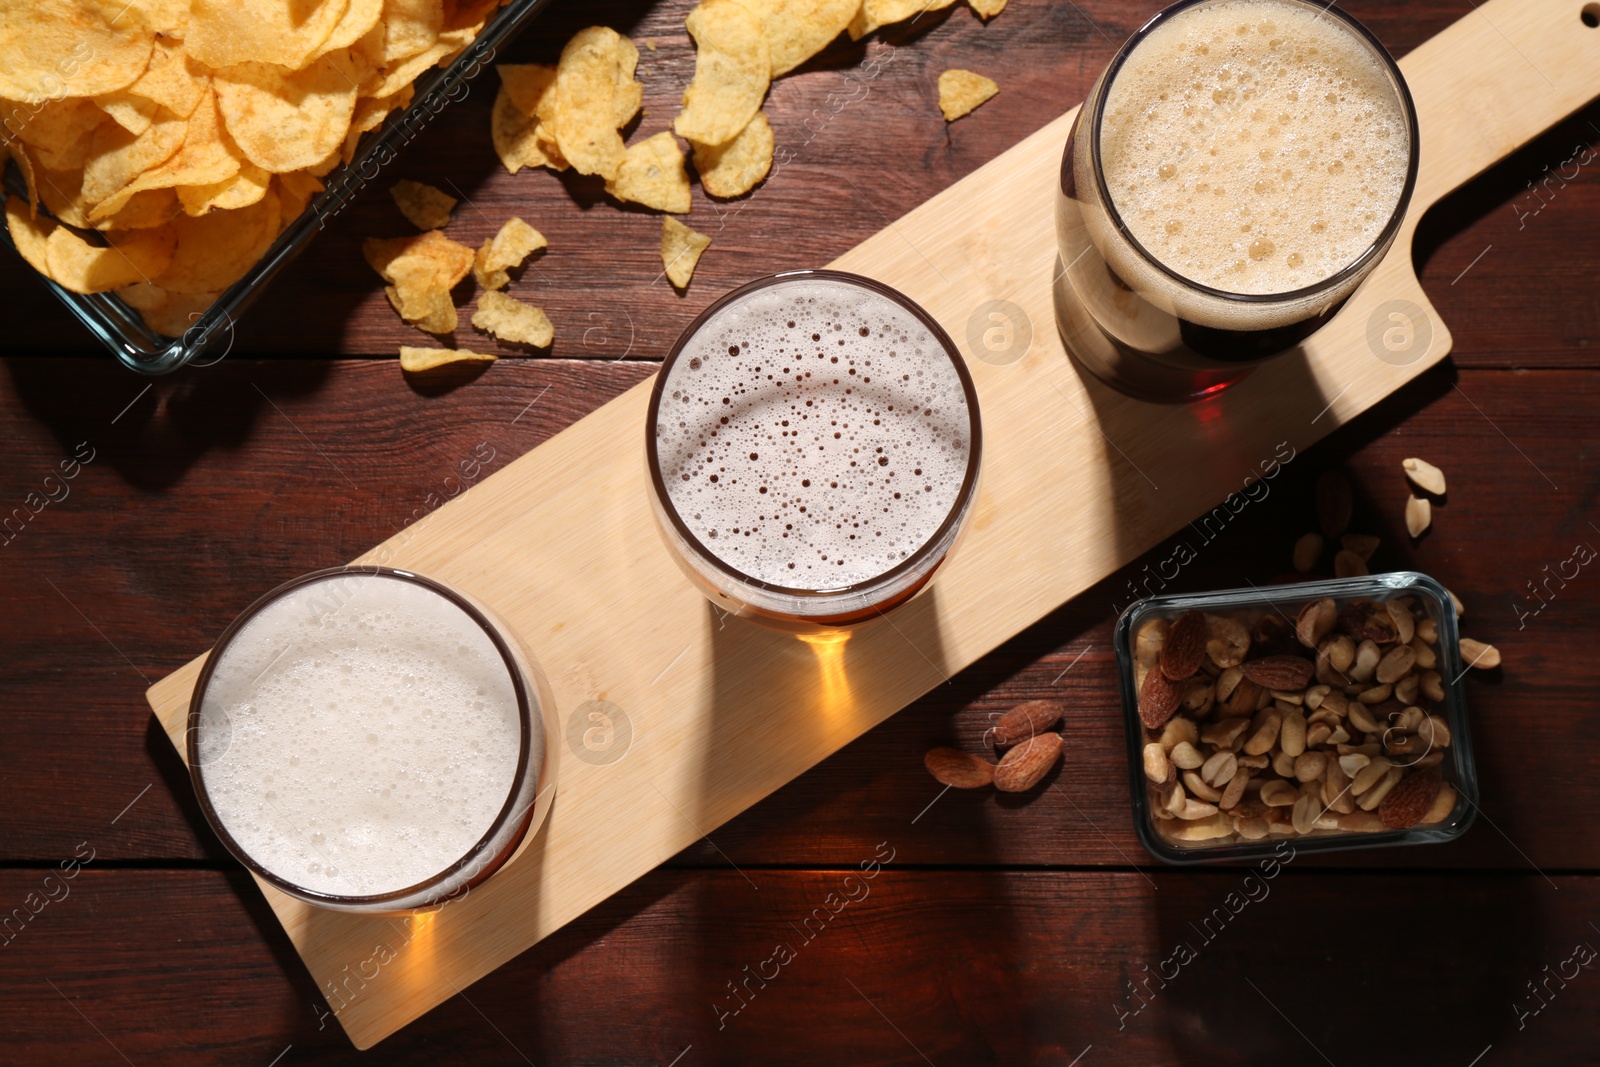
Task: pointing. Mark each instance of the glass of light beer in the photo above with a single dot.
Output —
(369, 740)
(813, 443)
(1236, 172)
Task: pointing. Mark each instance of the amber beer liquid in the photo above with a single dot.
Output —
(1234, 175)
(813, 442)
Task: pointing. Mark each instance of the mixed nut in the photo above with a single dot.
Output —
(1262, 725)
(1033, 747)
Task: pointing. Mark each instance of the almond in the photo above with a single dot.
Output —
(957, 769)
(1158, 699)
(1424, 475)
(1185, 647)
(1027, 719)
(1024, 766)
(1278, 672)
(1410, 800)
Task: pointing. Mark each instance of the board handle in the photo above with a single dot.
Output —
(1495, 80)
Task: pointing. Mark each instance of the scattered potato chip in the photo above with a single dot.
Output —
(735, 168)
(215, 249)
(526, 84)
(652, 174)
(732, 70)
(56, 48)
(167, 313)
(417, 360)
(429, 310)
(590, 94)
(288, 120)
(796, 30)
(875, 14)
(134, 256)
(960, 91)
(515, 242)
(987, 9)
(30, 234)
(427, 208)
(516, 137)
(510, 319)
(222, 33)
(369, 115)
(680, 250)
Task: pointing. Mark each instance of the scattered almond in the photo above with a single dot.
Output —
(1419, 516)
(1424, 476)
(1024, 766)
(1027, 719)
(957, 769)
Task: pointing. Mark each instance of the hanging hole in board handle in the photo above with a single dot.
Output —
(1590, 15)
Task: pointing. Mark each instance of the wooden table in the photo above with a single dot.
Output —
(1005, 930)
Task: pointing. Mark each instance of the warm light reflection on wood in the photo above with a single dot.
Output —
(829, 650)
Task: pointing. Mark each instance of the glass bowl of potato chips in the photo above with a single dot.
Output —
(169, 157)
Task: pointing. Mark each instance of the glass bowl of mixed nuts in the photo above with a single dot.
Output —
(1326, 713)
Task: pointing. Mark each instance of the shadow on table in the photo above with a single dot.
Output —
(151, 431)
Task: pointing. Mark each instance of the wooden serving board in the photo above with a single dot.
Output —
(1077, 481)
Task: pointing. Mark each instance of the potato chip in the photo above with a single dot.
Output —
(510, 319)
(357, 21)
(240, 190)
(987, 9)
(680, 250)
(369, 115)
(133, 113)
(515, 242)
(204, 158)
(410, 27)
(61, 193)
(144, 210)
(168, 18)
(429, 310)
(418, 360)
(595, 66)
(217, 248)
(961, 90)
(30, 173)
(285, 121)
(223, 33)
(172, 80)
(117, 157)
(516, 137)
(31, 235)
(134, 256)
(796, 30)
(295, 191)
(393, 77)
(732, 69)
(878, 13)
(426, 207)
(735, 168)
(463, 14)
(56, 48)
(427, 261)
(165, 312)
(652, 174)
(526, 84)
(58, 131)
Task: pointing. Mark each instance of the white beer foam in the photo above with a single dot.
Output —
(813, 435)
(1254, 146)
(359, 735)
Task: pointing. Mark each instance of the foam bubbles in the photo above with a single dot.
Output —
(1254, 145)
(813, 435)
(371, 737)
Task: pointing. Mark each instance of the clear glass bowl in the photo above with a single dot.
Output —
(120, 328)
(1431, 601)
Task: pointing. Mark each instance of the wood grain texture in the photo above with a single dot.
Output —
(966, 967)
(854, 169)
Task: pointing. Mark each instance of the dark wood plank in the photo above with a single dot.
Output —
(959, 968)
(206, 493)
(855, 168)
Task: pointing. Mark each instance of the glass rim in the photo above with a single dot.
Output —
(958, 507)
(525, 710)
(1369, 255)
